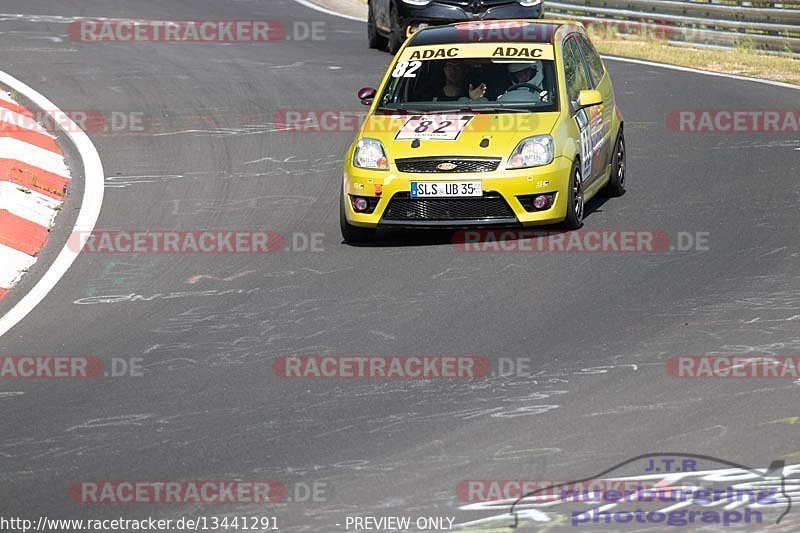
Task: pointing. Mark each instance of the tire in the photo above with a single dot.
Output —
(350, 233)
(575, 202)
(616, 184)
(396, 35)
(376, 40)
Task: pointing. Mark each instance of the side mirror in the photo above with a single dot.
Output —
(589, 99)
(367, 95)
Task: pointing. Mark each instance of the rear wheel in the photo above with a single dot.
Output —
(352, 233)
(575, 206)
(616, 184)
(396, 36)
(376, 40)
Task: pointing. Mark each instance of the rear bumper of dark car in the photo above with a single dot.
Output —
(437, 13)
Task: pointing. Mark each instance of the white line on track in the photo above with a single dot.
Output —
(703, 72)
(312, 5)
(87, 217)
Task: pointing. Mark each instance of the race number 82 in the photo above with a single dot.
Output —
(406, 69)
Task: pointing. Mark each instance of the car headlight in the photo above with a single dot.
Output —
(532, 152)
(419, 2)
(370, 154)
(529, 3)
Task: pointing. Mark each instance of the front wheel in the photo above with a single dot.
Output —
(350, 233)
(616, 184)
(575, 207)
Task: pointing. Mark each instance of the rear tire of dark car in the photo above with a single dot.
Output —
(575, 200)
(397, 34)
(616, 183)
(376, 40)
(350, 233)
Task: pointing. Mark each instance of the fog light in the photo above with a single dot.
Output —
(360, 204)
(541, 202)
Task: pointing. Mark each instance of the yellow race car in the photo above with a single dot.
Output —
(477, 124)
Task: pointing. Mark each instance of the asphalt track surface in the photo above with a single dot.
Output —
(596, 328)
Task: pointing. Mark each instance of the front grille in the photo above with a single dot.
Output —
(491, 207)
(460, 165)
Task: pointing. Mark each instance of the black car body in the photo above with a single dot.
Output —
(390, 19)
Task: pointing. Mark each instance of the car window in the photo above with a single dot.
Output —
(593, 59)
(575, 71)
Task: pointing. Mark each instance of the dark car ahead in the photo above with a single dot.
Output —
(389, 20)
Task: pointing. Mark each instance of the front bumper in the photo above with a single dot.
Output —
(509, 185)
(437, 13)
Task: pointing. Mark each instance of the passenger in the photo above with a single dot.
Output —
(525, 87)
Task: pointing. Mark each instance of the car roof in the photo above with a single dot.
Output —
(540, 31)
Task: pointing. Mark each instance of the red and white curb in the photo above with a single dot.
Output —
(33, 182)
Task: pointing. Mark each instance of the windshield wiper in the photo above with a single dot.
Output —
(501, 109)
(410, 111)
(452, 111)
(403, 110)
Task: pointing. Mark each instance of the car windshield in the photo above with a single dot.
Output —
(474, 84)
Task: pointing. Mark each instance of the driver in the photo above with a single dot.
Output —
(524, 87)
(456, 86)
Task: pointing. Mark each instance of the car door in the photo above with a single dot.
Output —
(588, 120)
(601, 81)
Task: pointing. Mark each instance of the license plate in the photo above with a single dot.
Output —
(445, 189)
